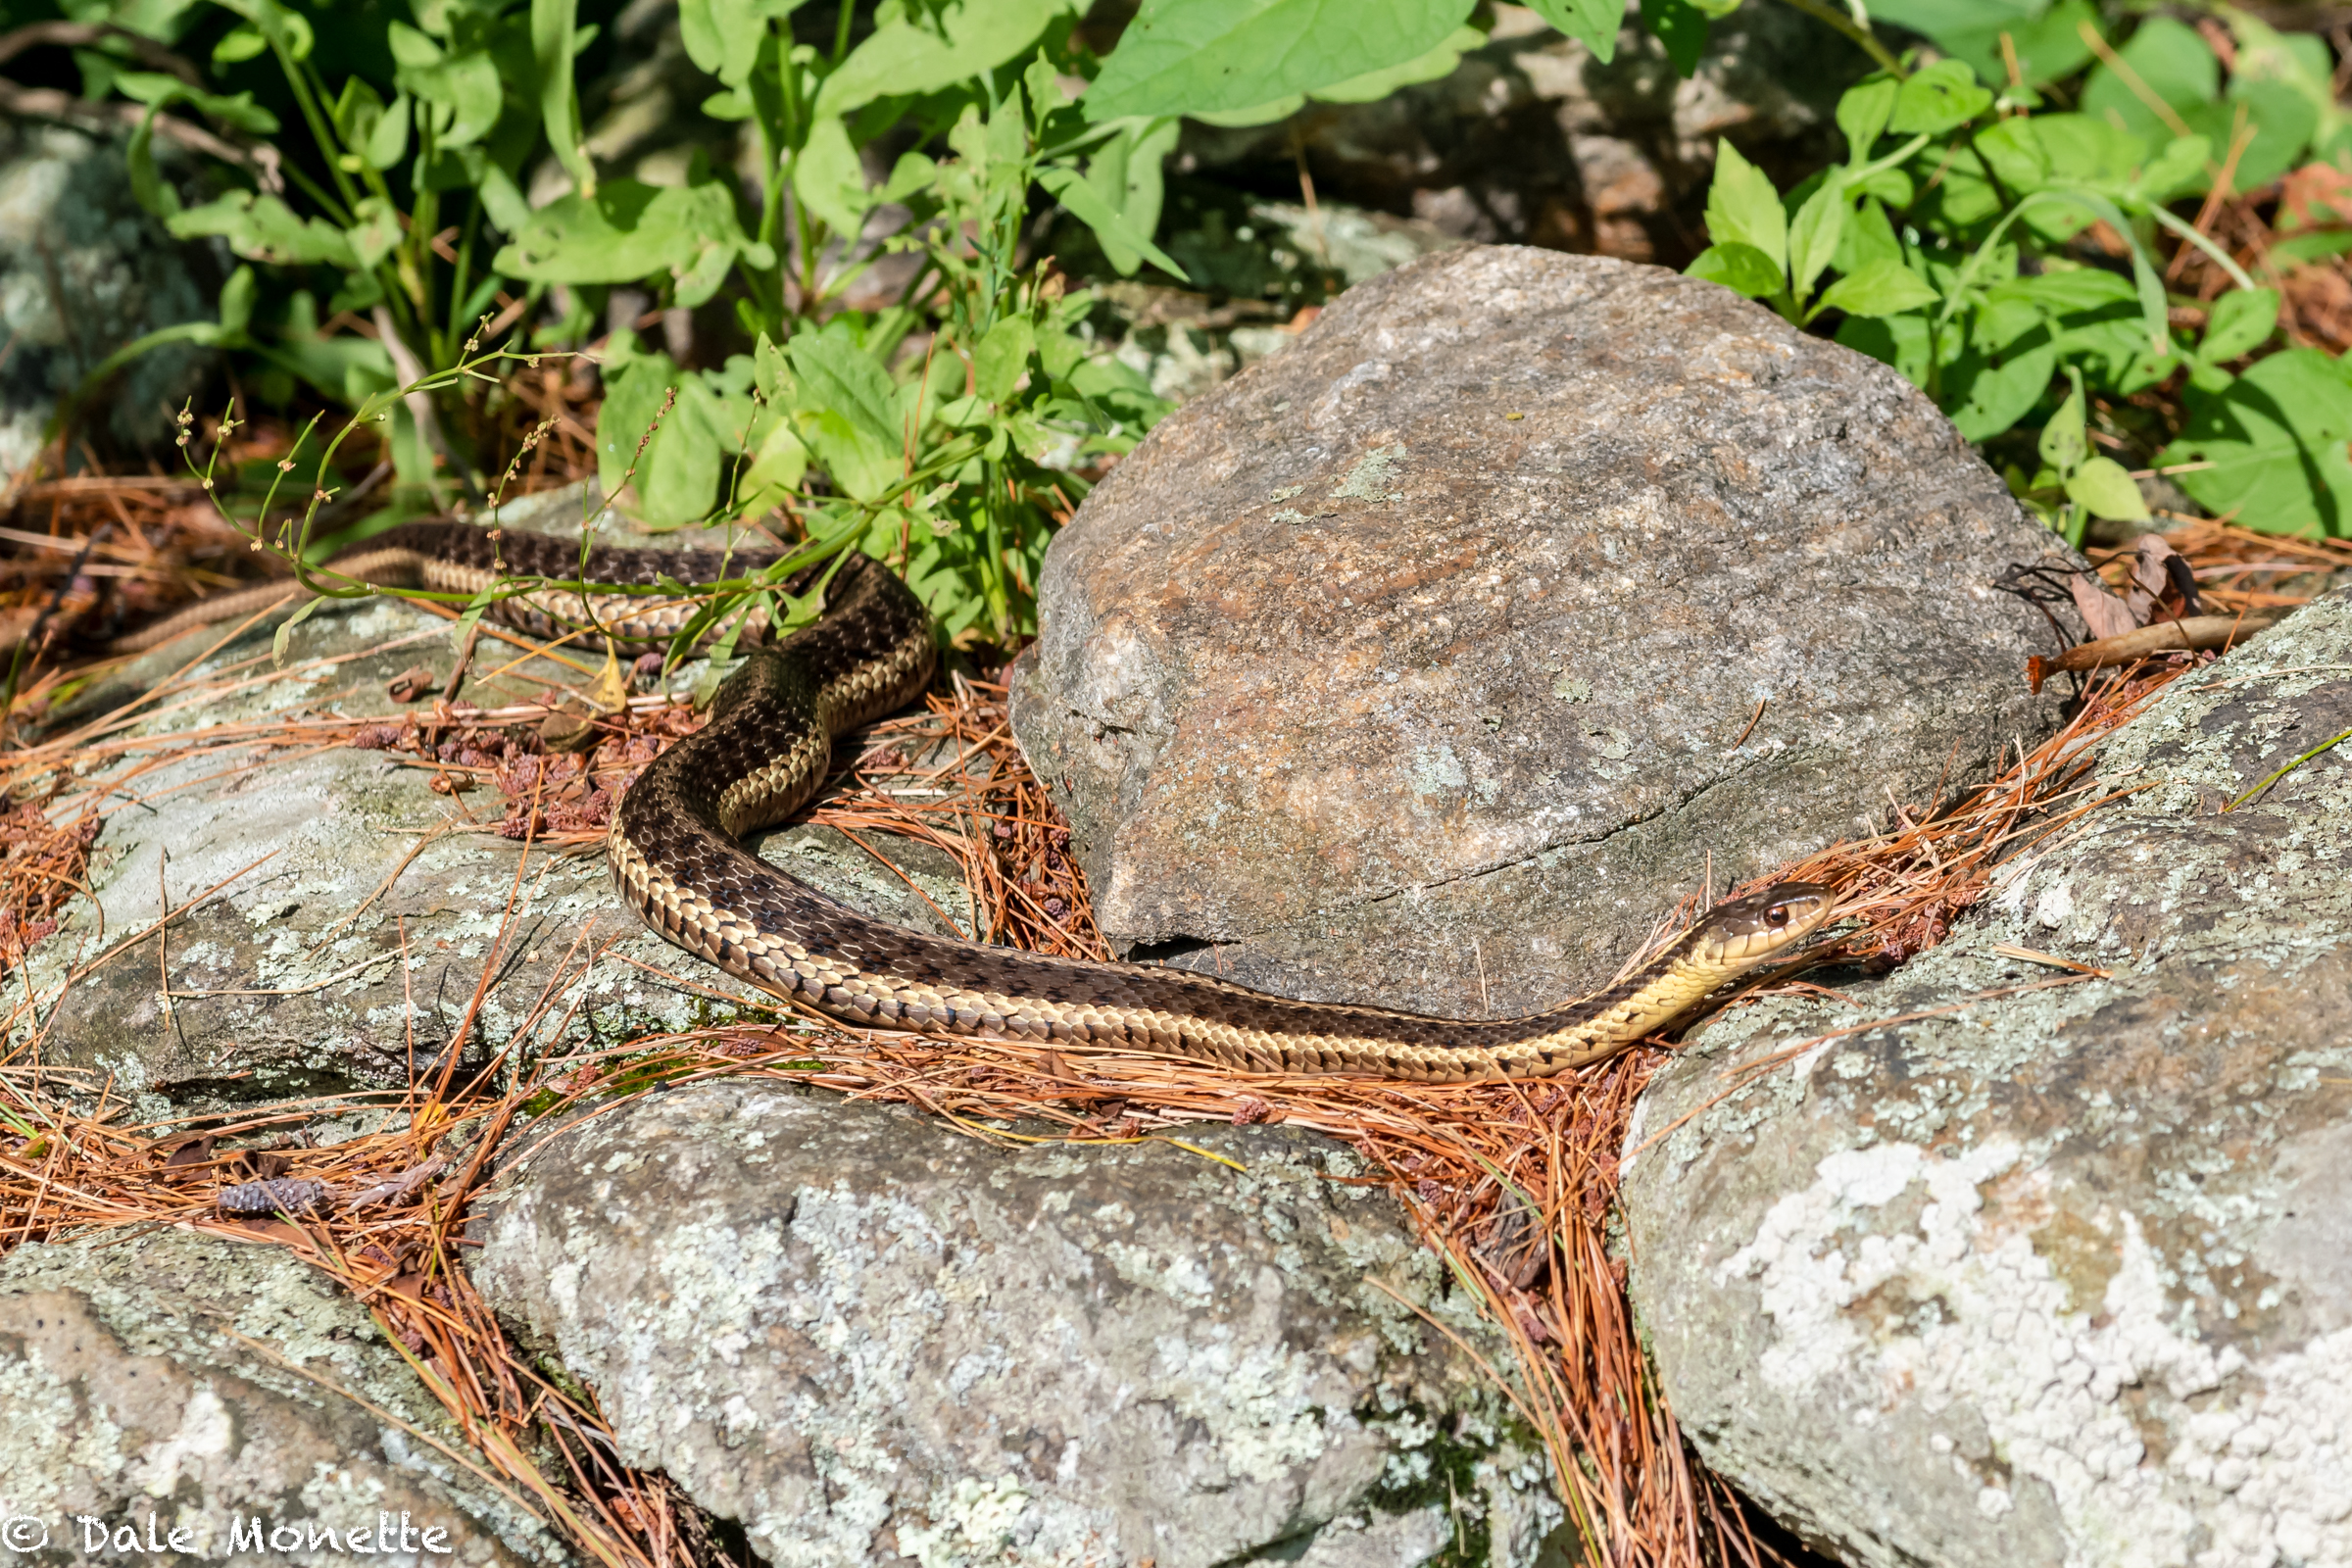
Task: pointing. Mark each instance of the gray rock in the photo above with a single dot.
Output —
(1418, 664)
(284, 984)
(872, 1339)
(2063, 1276)
(83, 270)
(177, 1382)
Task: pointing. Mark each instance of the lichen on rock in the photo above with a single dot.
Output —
(868, 1337)
(209, 1387)
(2051, 1272)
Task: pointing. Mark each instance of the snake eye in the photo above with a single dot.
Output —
(1777, 916)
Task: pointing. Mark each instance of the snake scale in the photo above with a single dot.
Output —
(676, 860)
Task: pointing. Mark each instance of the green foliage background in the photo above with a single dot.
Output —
(1950, 241)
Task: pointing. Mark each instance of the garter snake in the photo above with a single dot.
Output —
(676, 860)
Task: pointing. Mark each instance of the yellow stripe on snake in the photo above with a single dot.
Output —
(676, 859)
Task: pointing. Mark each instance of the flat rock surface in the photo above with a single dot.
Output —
(181, 1383)
(871, 1339)
(1430, 661)
(307, 964)
(2060, 1277)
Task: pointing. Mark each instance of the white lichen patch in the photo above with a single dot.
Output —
(2056, 1269)
(885, 1331)
(2068, 1394)
(123, 1399)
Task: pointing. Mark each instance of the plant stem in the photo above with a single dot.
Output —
(320, 128)
(2289, 768)
(1831, 17)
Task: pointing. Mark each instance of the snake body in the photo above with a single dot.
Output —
(676, 860)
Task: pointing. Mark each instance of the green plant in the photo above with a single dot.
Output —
(1965, 254)
(401, 202)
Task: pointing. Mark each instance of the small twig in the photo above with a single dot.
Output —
(2195, 634)
(1752, 720)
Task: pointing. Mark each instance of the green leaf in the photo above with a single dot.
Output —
(775, 469)
(1869, 237)
(1681, 28)
(1938, 97)
(679, 471)
(1743, 207)
(628, 231)
(236, 304)
(2241, 322)
(1190, 56)
(1741, 269)
(238, 44)
(2108, 489)
(411, 50)
(1128, 171)
(468, 86)
(844, 412)
(503, 199)
(723, 36)
(285, 628)
(1863, 113)
(263, 229)
(1110, 227)
(388, 140)
(2064, 444)
(830, 180)
(2296, 61)
(552, 50)
(1814, 234)
(1001, 358)
(375, 230)
(2178, 167)
(771, 374)
(237, 110)
(2046, 38)
(914, 171)
(2172, 63)
(901, 58)
(2016, 153)
(1883, 287)
(1438, 63)
(1987, 390)
(2275, 438)
(2276, 118)
(1594, 24)
(1264, 113)
(286, 31)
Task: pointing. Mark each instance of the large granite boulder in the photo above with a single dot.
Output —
(871, 1339)
(2062, 1276)
(1430, 661)
(184, 1387)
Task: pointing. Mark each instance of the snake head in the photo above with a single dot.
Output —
(1746, 931)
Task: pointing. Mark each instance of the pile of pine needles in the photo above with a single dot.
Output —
(1511, 1183)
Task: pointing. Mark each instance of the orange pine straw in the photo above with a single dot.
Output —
(1512, 1184)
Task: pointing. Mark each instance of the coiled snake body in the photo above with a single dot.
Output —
(676, 860)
